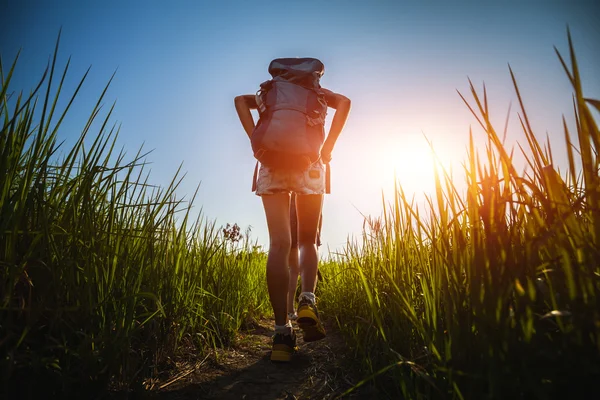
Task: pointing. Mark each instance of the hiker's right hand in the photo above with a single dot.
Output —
(325, 156)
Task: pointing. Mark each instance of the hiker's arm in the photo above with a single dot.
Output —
(342, 108)
(243, 105)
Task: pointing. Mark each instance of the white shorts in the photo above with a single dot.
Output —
(309, 181)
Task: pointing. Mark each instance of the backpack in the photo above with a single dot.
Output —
(292, 108)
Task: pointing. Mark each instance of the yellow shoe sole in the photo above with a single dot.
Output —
(312, 328)
(282, 353)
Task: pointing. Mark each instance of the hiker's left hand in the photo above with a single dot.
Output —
(325, 156)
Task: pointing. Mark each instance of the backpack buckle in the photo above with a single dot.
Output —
(260, 154)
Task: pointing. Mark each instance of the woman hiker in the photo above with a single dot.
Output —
(275, 185)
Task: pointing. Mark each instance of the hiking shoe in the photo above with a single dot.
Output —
(292, 316)
(283, 347)
(309, 321)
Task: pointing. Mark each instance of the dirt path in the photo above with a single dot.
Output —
(320, 370)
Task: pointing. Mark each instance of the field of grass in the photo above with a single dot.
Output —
(488, 295)
(103, 276)
(492, 295)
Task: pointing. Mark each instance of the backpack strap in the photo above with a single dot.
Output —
(255, 178)
(327, 179)
(289, 106)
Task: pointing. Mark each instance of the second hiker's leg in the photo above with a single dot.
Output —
(277, 211)
(308, 208)
(291, 309)
(293, 283)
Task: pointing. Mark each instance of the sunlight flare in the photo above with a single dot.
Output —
(409, 160)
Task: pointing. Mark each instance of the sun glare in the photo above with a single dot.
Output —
(410, 161)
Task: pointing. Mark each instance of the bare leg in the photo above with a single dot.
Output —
(293, 280)
(308, 208)
(277, 211)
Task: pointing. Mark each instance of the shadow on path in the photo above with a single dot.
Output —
(319, 370)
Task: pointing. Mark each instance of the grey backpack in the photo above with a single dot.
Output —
(292, 109)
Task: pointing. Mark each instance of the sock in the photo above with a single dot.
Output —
(308, 295)
(285, 329)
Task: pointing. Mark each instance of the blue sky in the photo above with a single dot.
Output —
(180, 64)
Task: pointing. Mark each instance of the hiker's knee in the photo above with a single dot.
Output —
(307, 239)
(280, 245)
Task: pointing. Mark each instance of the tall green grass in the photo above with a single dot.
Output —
(103, 275)
(490, 295)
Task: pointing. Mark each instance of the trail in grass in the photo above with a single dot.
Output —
(320, 370)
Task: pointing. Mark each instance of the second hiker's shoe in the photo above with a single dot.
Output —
(283, 347)
(309, 321)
